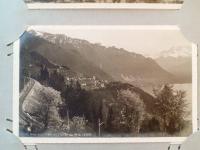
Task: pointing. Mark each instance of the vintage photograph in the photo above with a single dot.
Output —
(105, 82)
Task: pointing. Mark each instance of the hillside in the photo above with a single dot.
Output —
(121, 106)
(60, 56)
(78, 84)
(90, 59)
(40, 106)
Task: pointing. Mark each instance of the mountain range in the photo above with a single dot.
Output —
(59, 55)
(107, 63)
(177, 61)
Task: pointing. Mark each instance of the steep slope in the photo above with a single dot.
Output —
(56, 54)
(125, 66)
(118, 63)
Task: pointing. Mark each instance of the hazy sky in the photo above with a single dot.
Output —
(149, 42)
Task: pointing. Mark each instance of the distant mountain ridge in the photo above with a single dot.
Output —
(177, 51)
(177, 61)
(56, 54)
(94, 59)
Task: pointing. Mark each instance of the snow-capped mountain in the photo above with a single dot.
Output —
(89, 58)
(177, 51)
(178, 61)
(58, 38)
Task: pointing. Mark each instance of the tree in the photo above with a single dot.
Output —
(57, 81)
(127, 114)
(134, 112)
(44, 73)
(78, 124)
(75, 99)
(170, 108)
(78, 85)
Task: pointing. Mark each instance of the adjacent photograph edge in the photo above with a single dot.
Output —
(165, 6)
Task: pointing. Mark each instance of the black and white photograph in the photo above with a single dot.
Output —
(105, 82)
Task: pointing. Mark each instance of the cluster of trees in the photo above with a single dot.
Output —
(75, 99)
(57, 81)
(170, 109)
(122, 111)
(44, 73)
(54, 79)
(129, 115)
(125, 115)
(78, 124)
(72, 94)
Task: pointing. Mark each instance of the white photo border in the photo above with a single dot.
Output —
(157, 6)
(33, 140)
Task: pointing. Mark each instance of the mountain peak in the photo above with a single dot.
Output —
(177, 51)
(36, 33)
(104, 62)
